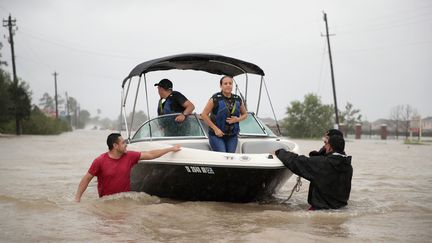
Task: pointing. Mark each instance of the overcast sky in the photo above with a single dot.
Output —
(382, 49)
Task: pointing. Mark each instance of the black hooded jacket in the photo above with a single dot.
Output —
(329, 175)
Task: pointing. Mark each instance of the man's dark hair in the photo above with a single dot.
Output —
(226, 76)
(333, 132)
(337, 143)
(112, 139)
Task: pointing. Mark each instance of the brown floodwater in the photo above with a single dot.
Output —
(391, 200)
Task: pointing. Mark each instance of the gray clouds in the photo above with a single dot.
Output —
(382, 50)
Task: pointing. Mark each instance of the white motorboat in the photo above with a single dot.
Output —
(196, 173)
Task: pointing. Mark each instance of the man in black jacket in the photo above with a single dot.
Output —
(328, 134)
(329, 175)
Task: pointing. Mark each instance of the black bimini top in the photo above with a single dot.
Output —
(211, 63)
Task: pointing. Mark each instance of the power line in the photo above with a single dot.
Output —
(389, 21)
(30, 54)
(398, 15)
(383, 47)
(75, 48)
(383, 27)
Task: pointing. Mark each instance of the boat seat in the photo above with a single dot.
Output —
(201, 145)
(259, 147)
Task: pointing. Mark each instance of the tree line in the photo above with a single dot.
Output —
(401, 116)
(310, 118)
(18, 115)
(69, 110)
(307, 119)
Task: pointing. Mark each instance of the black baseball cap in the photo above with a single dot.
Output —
(165, 83)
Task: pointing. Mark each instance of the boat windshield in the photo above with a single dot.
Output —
(252, 127)
(166, 127)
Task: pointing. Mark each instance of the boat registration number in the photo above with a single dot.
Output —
(199, 169)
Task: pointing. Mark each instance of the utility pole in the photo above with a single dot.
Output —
(9, 24)
(55, 97)
(331, 70)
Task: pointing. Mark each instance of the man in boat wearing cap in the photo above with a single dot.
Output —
(329, 174)
(172, 101)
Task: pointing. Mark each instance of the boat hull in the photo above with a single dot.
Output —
(207, 183)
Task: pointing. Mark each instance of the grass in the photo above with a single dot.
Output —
(417, 142)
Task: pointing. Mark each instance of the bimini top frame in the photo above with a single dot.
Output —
(211, 63)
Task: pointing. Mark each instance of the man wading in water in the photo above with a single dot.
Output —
(329, 174)
(113, 168)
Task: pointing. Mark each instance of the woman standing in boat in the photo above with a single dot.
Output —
(226, 111)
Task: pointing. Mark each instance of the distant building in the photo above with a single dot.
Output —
(49, 112)
(371, 128)
(391, 126)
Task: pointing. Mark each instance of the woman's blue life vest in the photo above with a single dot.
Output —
(223, 108)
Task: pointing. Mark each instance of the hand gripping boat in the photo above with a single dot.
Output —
(196, 173)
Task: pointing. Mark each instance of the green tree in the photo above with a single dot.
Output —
(308, 119)
(39, 123)
(350, 117)
(406, 115)
(21, 104)
(83, 118)
(15, 99)
(5, 99)
(47, 103)
(15, 104)
(73, 110)
(106, 123)
(395, 117)
(16, 113)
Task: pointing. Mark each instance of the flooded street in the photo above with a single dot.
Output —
(391, 200)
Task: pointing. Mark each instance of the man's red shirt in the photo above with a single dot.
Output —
(113, 175)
